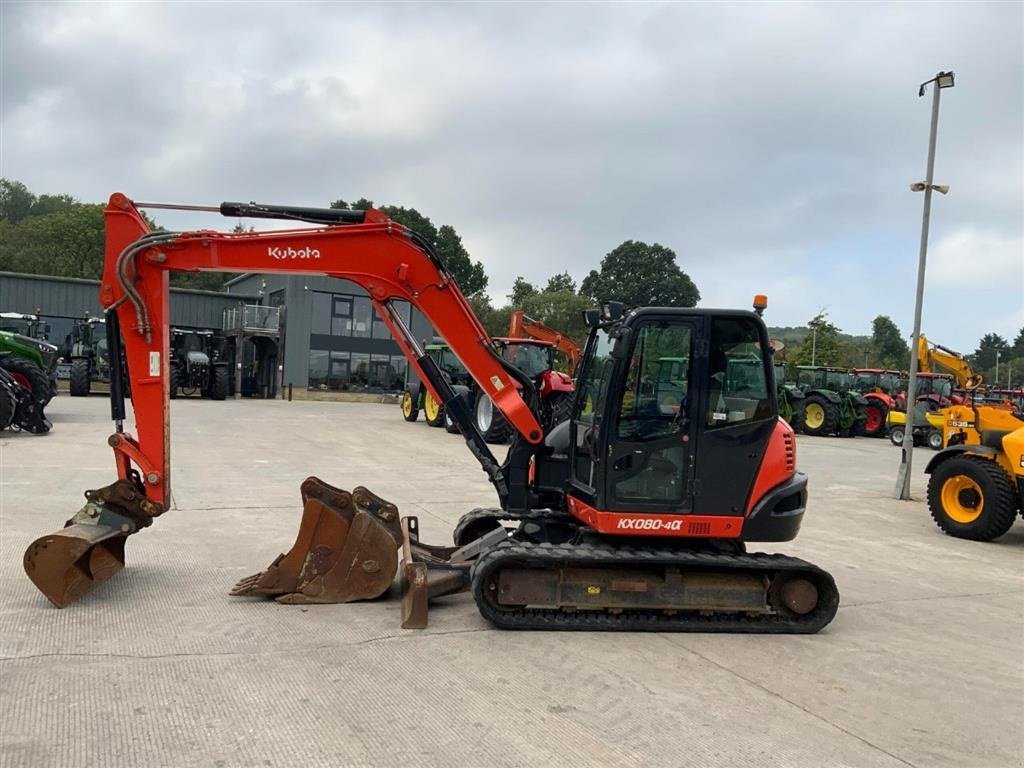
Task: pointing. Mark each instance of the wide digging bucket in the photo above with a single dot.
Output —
(68, 563)
(346, 549)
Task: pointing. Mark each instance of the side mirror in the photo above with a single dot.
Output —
(592, 317)
(620, 350)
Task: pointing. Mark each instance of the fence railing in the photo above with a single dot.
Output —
(252, 317)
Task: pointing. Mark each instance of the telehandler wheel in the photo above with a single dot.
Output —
(433, 411)
(896, 434)
(79, 384)
(874, 424)
(820, 417)
(173, 381)
(219, 390)
(935, 440)
(490, 422)
(971, 497)
(409, 410)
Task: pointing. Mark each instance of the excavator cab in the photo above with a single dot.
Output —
(646, 441)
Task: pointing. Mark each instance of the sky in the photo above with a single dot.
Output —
(772, 147)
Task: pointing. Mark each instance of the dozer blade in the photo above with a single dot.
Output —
(90, 549)
(346, 549)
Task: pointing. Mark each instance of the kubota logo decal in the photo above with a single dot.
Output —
(648, 524)
(293, 253)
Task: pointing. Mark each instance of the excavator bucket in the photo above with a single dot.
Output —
(90, 549)
(346, 549)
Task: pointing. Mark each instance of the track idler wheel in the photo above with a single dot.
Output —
(346, 549)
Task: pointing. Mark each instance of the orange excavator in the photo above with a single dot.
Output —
(520, 326)
(634, 514)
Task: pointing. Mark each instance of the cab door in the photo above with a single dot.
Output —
(651, 432)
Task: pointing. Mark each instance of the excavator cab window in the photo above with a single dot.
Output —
(649, 448)
(738, 385)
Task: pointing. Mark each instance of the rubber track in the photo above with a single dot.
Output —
(590, 555)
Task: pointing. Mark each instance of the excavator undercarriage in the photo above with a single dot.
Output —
(632, 515)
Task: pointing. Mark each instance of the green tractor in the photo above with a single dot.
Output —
(39, 360)
(90, 359)
(789, 397)
(417, 397)
(831, 406)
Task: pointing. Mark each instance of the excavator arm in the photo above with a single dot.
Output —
(522, 327)
(935, 358)
(389, 261)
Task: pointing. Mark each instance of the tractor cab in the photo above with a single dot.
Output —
(532, 357)
(26, 325)
(664, 396)
(868, 380)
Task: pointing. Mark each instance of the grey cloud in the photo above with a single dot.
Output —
(765, 144)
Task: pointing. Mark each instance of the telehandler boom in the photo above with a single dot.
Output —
(633, 514)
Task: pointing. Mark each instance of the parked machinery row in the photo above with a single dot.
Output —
(199, 360)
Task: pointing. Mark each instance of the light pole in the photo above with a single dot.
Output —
(940, 81)
(997, 366)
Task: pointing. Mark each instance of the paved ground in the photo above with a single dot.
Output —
(922, 666)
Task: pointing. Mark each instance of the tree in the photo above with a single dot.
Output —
(521, 290)
(890, 350)
(1018, 344)
(69, 244)
(985, 355)
(560, 283)
(821, 345)
(46, 204)
(15, 201)
(468, 274)
(639, 274)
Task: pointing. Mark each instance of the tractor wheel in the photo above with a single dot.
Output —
(935, 440)
(490, 422)
(409, 410)
(874, 424)
(173, 381)
(80, 383)
(219, 390)
(896, 434)
(433, 411)
(972, 498)
(820, 417)
(560, 407)
(7, 406)
(449, 424)
(36, 385)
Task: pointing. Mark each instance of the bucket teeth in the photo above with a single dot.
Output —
(346, 549)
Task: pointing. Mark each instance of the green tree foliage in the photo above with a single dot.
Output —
(561, 283)
(887, 345)
(15, 201)
(521, 291)
(1018, 344)
(985, 355)
(468, 274)
(69, 243)
(639, 274)
(822, 345)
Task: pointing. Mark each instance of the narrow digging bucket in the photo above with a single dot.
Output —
(67, 564)
(90, 549)
(346, 549)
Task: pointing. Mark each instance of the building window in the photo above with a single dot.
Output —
(318, 362)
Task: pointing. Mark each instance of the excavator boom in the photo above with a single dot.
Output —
(935, 358)
(522, 327)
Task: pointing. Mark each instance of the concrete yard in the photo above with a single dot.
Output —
(923, 666)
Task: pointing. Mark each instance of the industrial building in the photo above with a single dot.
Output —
(299, 331)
